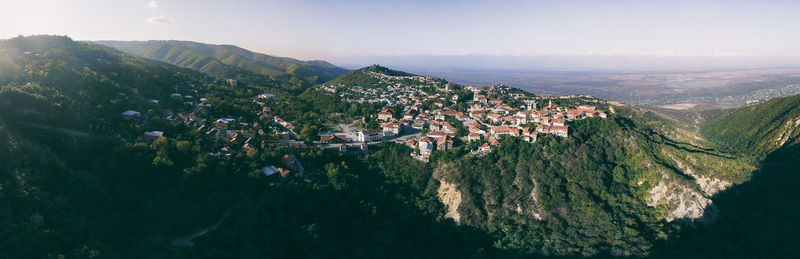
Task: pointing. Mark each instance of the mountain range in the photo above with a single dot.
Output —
(224, 60)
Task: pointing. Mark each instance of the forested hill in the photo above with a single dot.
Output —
(617, 186)
(759, 129)
(373, 76)
(59, 82)
(225, 60)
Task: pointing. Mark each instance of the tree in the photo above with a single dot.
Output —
(309, 132)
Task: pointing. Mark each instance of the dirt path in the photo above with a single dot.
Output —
(63, 130)
(186, 241)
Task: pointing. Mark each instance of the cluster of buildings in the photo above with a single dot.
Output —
(490, 119)
(391, 90)
(435, 115)
(491, 113)
(235, 134)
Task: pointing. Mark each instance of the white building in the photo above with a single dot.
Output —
(369, 135)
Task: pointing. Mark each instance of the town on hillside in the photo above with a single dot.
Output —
(422, 112)
(438, 115)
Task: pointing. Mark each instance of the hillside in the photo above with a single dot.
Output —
(759, 129)
(758, 219)
(80, 179)
(82, 85)
(373, 76)
(221, 60)
(614, 188)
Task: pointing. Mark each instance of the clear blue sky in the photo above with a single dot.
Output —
(325, 29)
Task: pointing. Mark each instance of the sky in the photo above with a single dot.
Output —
(308, 29)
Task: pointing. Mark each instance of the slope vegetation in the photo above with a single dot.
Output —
(613, 187)
(222, 60)
(759, 129)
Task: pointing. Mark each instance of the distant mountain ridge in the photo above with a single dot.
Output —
(219, 60)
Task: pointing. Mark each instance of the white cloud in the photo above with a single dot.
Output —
(152, 4)
(159, 20)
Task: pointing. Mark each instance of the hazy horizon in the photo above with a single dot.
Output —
(331, 31)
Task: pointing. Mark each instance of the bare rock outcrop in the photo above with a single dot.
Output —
(451, 198)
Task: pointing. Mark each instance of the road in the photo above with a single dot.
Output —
(186, 241)
(401, 139)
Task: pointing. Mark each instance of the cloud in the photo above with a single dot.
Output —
(159, 20)
(152, 4)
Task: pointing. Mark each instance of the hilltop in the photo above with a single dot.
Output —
(225, 60)
(372, 76)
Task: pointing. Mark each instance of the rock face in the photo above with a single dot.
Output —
(536, 209)
(709, 186)
(684, 192)
(683, 202)
(787, 132)
(451, 198)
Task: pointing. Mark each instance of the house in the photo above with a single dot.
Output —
(473, 136)
(153, 134)
(369, 135)
(411, 143)
(575, 114)
(425, 145)
(439, 134)
(443, 126)
(444, 143)
(248, 133)
(269, 170)
(558, 122)
(519, 120)
(485, 148)
(418, 124)
(332, 138)
(504, 131)
(543, 129)
(530, 137)
(385, 115)
(266, 96)
(560, 131)
(544, 120)
(477, 114)
(131, 114)
(391, 129)
(495, 118)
